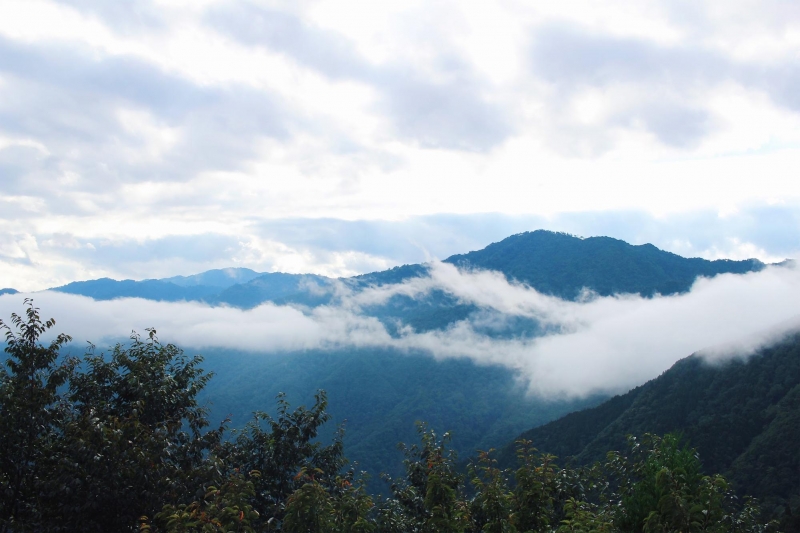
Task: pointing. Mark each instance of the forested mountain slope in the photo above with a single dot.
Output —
(743, 416)
(380, 394)
(552, 263)
(382, 391)
(561, 265)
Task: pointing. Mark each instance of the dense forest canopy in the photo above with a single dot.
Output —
(118, 442)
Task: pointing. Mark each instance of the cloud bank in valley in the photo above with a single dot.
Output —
(600, 344)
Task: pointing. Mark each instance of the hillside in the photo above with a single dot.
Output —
(743, 416)
(149, 289)
(380, 394)
(552, 263)
(561, 265)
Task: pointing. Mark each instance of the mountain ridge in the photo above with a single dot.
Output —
(553, 263)
(742, 415)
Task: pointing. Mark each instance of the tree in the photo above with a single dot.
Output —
(118, 442)
(280, 448)
(136, 437)
(32, 415)
(430, 498)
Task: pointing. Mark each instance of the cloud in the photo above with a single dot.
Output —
(450, 110)
(768, 232)
(637, 83)
(101, 123)
(127, 17)
(605, 344)
(416, 130)
(336, 247)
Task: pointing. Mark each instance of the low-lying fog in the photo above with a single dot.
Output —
(598, 344)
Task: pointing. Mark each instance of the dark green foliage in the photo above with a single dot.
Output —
(491, 508)
(278, 448)
(96, 446)
(226, 506)
(136, 437)
(31, 417)
(119, 443)
(429, 498)
(658, 487)
(562, 265)
(743, 417)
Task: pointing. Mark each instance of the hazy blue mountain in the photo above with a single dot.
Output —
(380, 394)
(108, 289)
(221, 277)
(553, 263)
(394, 275)
(280, 288)
(213, 287)
(561, 264)
(743, 416)
(8, 291)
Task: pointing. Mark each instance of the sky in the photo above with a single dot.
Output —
(153, 138)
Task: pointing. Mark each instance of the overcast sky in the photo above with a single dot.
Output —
(152, 138)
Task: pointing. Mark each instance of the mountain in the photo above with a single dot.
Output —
(379, 394)
(552, 263)
(150, 289)
(743, 416)
(562, 265)
(8, 291)
(221, 277)
(237, 287)
(279, 288)
(382, 392)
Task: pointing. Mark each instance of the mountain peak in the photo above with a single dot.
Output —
(218, 277)
(563, 265)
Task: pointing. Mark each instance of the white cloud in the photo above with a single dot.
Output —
(601, 345)
(149, 119)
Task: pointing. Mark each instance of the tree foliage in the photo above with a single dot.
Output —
(118, 442)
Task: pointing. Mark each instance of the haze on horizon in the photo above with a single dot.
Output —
(163, 137)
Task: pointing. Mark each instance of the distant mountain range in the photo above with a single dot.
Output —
(562, 265)
(743, 416)
(552, 263)
(381, 392)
